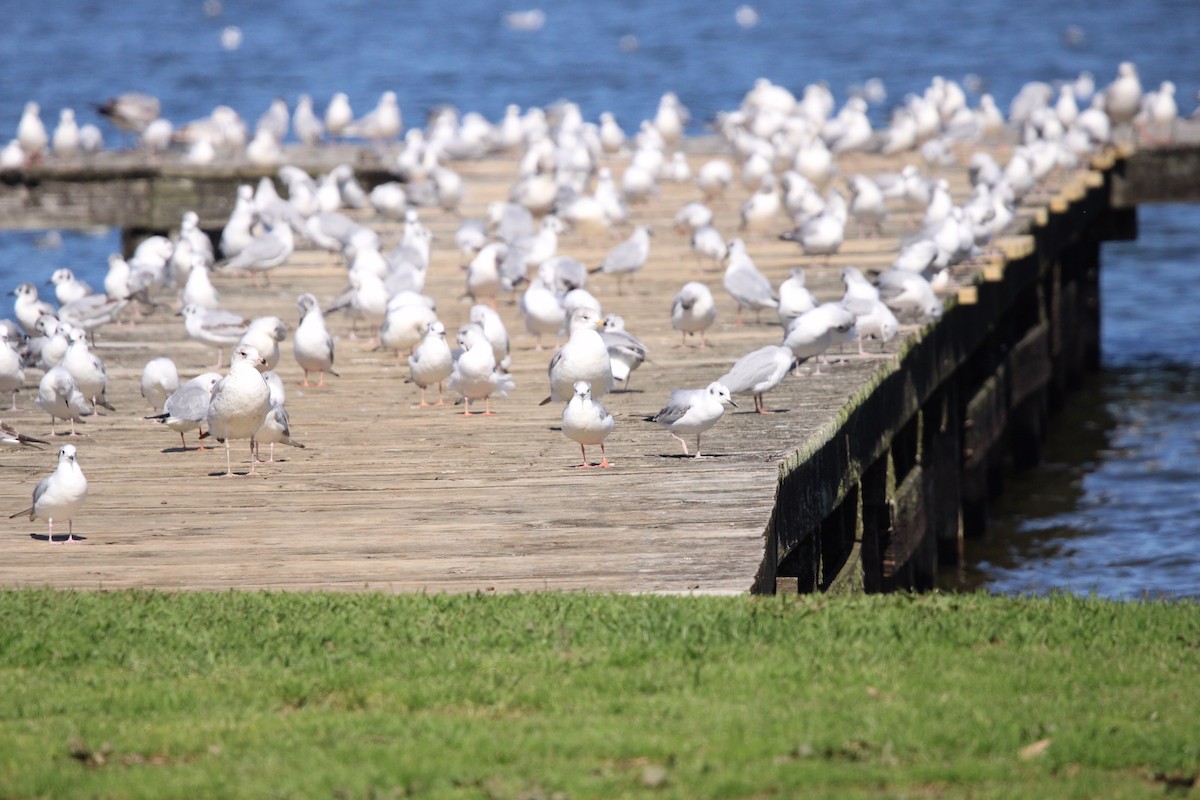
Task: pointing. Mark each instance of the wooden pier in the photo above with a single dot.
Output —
(869, 476)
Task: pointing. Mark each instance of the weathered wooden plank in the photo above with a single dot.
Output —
(1029, 364)
(910, 523)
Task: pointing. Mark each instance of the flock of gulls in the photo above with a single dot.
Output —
(782, 148)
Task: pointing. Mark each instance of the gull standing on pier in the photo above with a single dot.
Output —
(823, 234)
(240, 401)
(28, 308)
(131, 111)
(312, 344)
(794, 297)
(160, 379)
(68, 288)
(749, 287)
(475, 375)
(87, 369)
(759, 372)
(381, 124)
(275, 428)
(583, 358)
(264, 252)
(626, 352)
(432, 362)
(187, 407)
(59, 495)
(693, 411)
(813, 332)
(60, 397)
(309, 129)
(12, 372)
(264, 334)
(31, 132)
(215, 328)
(1123, 97)
(693, 311)
(629, 256)
(587, 422)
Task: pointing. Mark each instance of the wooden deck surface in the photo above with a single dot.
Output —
(393, 498)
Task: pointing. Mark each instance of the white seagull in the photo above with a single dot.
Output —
(587, 422)
(59, 495)
(693, 411)
(759, 372)
(239, 402)
(583, 358)
(312, 344)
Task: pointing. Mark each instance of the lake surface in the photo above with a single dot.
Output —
(1116, 510)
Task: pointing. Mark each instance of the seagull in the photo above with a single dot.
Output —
(365, 299)
(867, 204)
(264, 334)
(215, 328)
(904, 291)
(1122, 98)
(381, 124)
(10, 436)
(759, 372)
(432, 362)
(587, 422)
(760, 209)
(237, 233)
(405, 325)
(187, 407)
(264, 252)
(629, 256)
(199, 290)
(31, 132)
(309, 129)
(794, 297)
(693, 311)
(708, 241)
(671, 117)
(691, 216)
(493, 328)
(239, 401)
(483, 273)
(159, 379)
(274, 428)
(823, 234)
(87, 369)
(60, 397)
(28, 308)
(312, 344)
(626, 352)
(12, 372)
(274, 120)
(713, 178)
(338, 114)
(543, 310)
(475, 375)
(749, 287)
(812, 333)
(68, 288)
(583, 358)
(60, 494)
(693, 411)
(131, 111)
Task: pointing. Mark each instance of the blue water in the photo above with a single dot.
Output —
(1126, 509)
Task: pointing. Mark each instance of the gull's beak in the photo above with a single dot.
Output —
(735, 405)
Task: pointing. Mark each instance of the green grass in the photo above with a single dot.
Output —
(578, 696)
